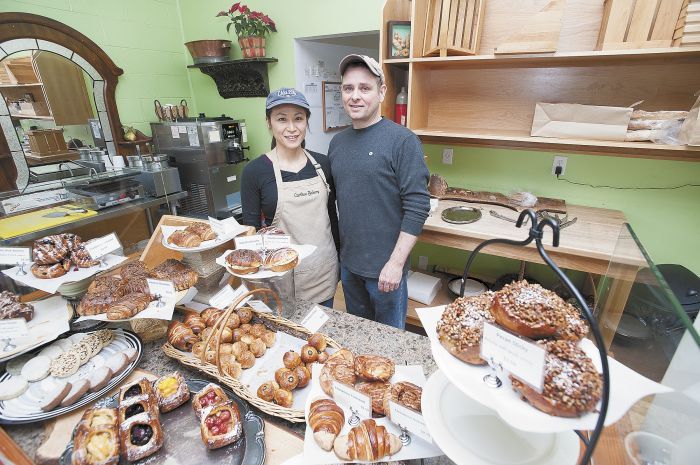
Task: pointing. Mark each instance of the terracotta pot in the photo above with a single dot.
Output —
(209, 48)
(252, 47)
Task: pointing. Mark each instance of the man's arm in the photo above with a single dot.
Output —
(390, 277)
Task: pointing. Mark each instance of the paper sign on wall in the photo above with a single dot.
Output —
(15, 327)
(314, 319)
(409, 419)
(249, 242)
(516, 355)
(348, 397)
(164, 289)
(15, 255)
(98, 248)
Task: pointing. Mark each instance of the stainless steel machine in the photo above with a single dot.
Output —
(209, 155)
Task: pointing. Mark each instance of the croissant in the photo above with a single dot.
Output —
(367, 442)
(203, 230)
(181, 336)
(326, 420)
(195, 322)
(184, 238)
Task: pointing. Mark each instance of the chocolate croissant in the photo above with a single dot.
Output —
(368, 442)
(195, 322)
(184, 238)
(326, 420)
(181, 336)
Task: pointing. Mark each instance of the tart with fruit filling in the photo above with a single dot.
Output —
(209, 396)
(221, 425)
(141, 389)
(97, 438)
(137, 405)
(141, 436)
(171, 391)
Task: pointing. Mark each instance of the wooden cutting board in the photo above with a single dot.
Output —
(439, 189)
(280, 445)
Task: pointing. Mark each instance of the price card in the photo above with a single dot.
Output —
(409, 419)
(224, 227)
(165, 289)
(352, 398)
(314, 319)
(254, 242)
(15, 255)
(516, 355)
(276, 241)
(259, 306)
(174, 132)
(239, 292)
(15, 327)
(223, 298)
(98, 248)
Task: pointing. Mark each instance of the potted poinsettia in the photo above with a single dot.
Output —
(251, 28)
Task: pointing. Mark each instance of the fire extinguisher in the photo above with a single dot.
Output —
(401, 107)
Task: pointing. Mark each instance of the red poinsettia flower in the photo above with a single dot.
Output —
(235, 7)
(256, 15)
(244, 9)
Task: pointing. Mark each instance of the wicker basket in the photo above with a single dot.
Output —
(272, 321)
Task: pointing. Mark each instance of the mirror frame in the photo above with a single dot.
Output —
(26, 31)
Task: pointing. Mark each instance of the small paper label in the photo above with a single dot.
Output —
(223, 227)
(10, 329)
(352, 398)
(516, 355)
(214, 136)
(231, 178)
(259, 306)
(409, 419)
(98, 248)
(164, 289)
(276, 241)
(222, 298)
(254, 242)
(239, 292)
(182, 129)
(193, 136)
(15, 255)
(314, 319)
(174, 132)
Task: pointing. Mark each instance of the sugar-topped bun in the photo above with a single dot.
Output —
(244, 261)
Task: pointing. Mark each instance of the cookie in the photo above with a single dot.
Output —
(52, 351)
(64, 344)
(94, 343)
(117, 363)
(130, 353)
(65, 365)
(13, 387)
(105, 335)
(83, 350)
(99, 378)
(14, 366)
(77, 389)
(77, 337)
(37, 368)
(53, 398)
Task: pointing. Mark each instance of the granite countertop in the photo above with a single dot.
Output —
(357, 334)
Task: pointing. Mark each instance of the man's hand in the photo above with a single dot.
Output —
(390, 277)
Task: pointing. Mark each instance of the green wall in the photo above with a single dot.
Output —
(145, 38)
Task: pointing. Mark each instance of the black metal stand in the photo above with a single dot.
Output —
(537, 233)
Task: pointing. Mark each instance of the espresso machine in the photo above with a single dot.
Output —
(209, 155)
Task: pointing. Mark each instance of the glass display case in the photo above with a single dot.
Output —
(647, 314)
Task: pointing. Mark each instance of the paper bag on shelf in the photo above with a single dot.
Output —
(575, 121)
(690, 131)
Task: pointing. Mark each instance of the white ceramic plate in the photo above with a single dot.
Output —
(471, 434)
(206, 245)
(51, 319)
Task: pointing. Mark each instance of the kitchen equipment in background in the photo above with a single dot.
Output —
(108, 193)
(209, 155)
(98, 135)
(135, 161)
(160, 183)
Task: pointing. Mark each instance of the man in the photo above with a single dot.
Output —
(381, 189)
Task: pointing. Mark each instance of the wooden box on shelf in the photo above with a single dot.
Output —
(21, 71)
(34, 109)
(45, 142)
(452, 27)
(632, 25)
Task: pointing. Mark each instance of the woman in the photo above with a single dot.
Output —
(292, 189)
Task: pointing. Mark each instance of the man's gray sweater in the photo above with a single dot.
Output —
(381, 189)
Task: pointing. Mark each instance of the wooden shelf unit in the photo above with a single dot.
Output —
(489, 100)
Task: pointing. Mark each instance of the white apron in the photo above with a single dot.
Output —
(302, 212)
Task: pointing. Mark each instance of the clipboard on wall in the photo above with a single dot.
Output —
(334, 116)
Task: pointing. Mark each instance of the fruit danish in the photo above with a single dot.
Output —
(221, 425)
(171, 391)
(96, 439)
(461, 325)
(210, 395)
(136, 405)
(95, 417)
(140, 436)
(141, 389)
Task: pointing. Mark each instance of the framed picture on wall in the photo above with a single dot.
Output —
(399, 35)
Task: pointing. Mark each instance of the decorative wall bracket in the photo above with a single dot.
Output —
(246, 77)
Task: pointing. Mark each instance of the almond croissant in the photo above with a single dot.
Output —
(367, 442)
(326, 420)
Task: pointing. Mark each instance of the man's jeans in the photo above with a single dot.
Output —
(363, 298)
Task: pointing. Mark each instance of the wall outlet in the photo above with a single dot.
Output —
(559, 162)
(422, 262)
(447, 156)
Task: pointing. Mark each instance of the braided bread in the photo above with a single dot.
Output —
(48, 271)
(326, 420)
(368, 442)
(195, 322)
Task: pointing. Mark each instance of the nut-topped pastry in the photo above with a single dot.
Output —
(572, 385)
(529, 310)
(244, 261)
(461, 325)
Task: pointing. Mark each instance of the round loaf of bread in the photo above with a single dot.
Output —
(572, 385)
(244, 261)
(461, 326)
(529, 310)
(282, 259)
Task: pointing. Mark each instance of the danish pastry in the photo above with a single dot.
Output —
(375, 390)
(460, 327)
(171, 391)
(221, 425)
(374, 367)
(405, 394)
(210, 395)
(140, 436)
